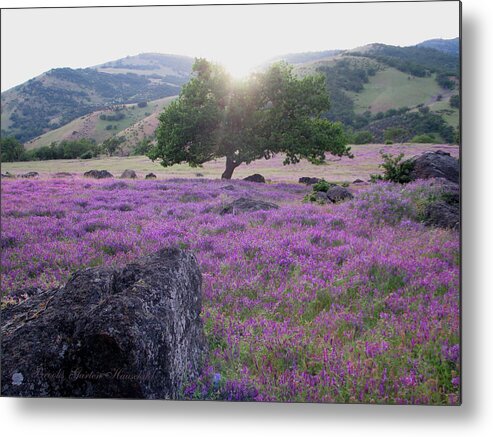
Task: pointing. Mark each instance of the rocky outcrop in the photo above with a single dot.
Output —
(129, 174)
(338, 194)
(133, 332)
(437, 164)
(359, 182)
(443, 215)
(29, 175)
(98, 174)
(244, 204)
(255, 178)
(308, 180)
(444, 210)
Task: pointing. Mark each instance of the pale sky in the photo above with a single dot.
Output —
(240, 37)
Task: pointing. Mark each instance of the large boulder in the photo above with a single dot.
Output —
(245, 204)
(98, 174)
(132, 332)
(444, 210)
(437, 164)
(338, 194)
(129, 174)
(308, 180)
(255, 178)
(443, 215)
(150, 176)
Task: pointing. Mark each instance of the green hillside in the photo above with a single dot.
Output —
(94, 127)
(391, 88)
(57, 97)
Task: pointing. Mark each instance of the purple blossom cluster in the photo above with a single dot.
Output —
(353, 302)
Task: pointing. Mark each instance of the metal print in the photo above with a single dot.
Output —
(236, 203)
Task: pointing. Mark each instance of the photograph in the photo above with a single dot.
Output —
(240, 203)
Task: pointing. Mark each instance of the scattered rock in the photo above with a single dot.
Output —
(30, 174)
(7, 175)
(308, 180)
(129, 174)
(437, 164)
(150, 176)
(245, 204)
(199, 175)
(118, 185)
(133, 332)
(445, 211)
(98, 174)
(443, 215)
(320, 197)
(255, 178)
(338, 194)
(63, 174)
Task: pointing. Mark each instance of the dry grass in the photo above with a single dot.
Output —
(365, 162)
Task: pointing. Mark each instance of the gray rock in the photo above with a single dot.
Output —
(150, 176)
(23, 293)
(338, 194)
(444, 212)
(30, 174)
(133, 332)
(308, 180)
(244, 204)
(443, 215)
(320, 197)
(129, 174)
(98, 174)
(7, 175)
(255, 178)
(437, 164)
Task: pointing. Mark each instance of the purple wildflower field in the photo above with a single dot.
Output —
(355, 302)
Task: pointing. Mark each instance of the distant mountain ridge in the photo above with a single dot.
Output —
(444, 45)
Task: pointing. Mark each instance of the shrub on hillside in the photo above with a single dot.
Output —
(395, 169)
(424, 138)
(323, 186)
(363, 137)
(455, 101)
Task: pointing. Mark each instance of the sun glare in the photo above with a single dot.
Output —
(239, 67)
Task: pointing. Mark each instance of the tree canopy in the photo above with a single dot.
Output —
(11, 149)
(268, 113)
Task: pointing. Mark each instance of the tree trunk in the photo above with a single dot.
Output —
(231, 164)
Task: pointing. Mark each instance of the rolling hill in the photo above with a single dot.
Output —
(377, 87)
(57, 97)
(136, 123)
(372, 88)
(444, 45)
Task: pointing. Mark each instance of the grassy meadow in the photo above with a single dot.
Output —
(365, 162)
(391, 88)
